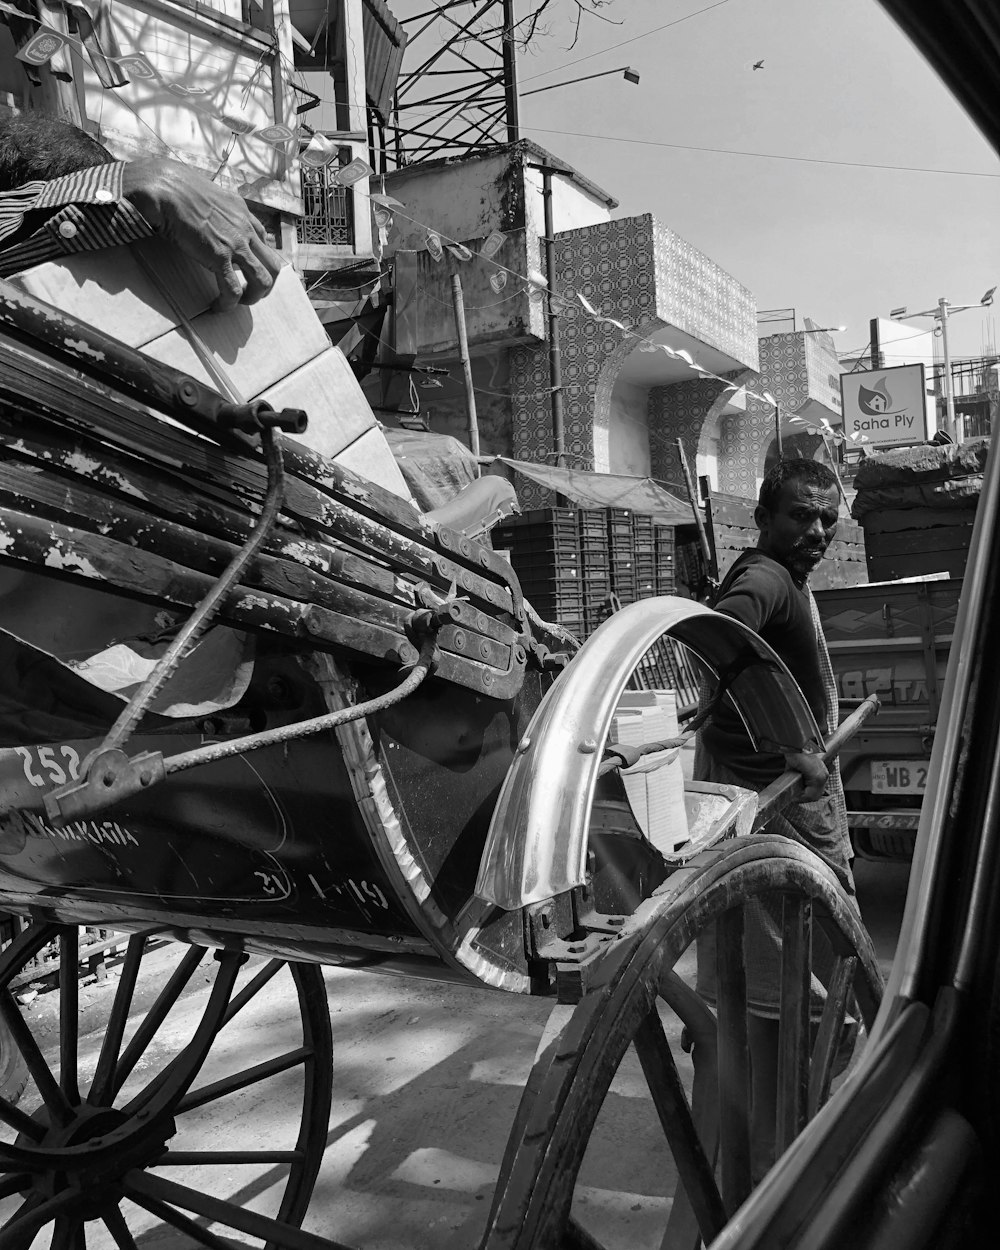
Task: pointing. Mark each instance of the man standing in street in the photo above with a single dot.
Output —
(767, 590)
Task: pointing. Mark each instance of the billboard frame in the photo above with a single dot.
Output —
(849, 410)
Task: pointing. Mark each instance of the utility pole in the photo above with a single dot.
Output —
(941, 314)
(510, 73)
(876, 346)
(555, 355)
(458, 302)
(949, 392)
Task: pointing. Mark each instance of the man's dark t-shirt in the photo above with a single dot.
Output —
(760, 592)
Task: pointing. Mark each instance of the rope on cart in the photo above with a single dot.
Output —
(198, 622)
(302, 729)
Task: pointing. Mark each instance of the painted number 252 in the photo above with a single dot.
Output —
(44, 766)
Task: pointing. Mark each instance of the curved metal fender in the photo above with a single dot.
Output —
(537, 843)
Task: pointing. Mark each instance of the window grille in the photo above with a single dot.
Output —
(329, 209)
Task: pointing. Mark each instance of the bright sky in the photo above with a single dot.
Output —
(840, 83)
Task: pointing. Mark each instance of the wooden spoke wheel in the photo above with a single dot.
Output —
(540, 1201)
(109, 1143)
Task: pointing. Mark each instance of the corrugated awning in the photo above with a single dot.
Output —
(607, 490)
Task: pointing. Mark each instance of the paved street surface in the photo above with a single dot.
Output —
(427, 1077)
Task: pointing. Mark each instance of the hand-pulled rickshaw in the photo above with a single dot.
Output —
(412, 772)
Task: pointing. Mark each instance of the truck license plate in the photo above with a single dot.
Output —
(899, 776)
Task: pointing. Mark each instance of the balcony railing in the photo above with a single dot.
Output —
(328, 218)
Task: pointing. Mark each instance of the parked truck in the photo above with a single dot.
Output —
(891, 639)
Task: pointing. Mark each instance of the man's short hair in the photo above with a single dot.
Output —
(35, 147)
(797, 469)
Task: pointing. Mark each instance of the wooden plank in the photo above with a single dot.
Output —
(911, 542)
(829, 1032)
(97, 559)
(126, 484)
(326, 494)
(891, 521)
(793, 1024)
(888, 568)
(693, 1167)
(297, 568)
(734, 1060)
(732, 510)
(833, 574)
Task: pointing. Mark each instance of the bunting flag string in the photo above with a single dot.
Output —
(436, 242)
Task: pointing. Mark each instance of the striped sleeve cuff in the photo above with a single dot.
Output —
(101, 184)
(77, 228)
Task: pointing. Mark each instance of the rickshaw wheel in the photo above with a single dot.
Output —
(112, 1154)
(533, 1208)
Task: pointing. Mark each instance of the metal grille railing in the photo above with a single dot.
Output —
(328, 216)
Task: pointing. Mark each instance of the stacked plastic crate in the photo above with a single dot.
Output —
(571, 561)
(621, 555)
(664, 576)
(644, 562)
(544, 548)
(595, 567)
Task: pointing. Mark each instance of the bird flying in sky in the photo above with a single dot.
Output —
(758, 64)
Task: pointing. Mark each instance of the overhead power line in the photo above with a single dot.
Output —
(634, 39)
(767, 156)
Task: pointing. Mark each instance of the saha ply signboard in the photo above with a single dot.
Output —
(885, 406)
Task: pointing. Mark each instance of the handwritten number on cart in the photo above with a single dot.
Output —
(271, 883)
(361, 892)
(43, 765)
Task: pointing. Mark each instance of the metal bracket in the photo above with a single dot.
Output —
(108, 776)
(570, 940)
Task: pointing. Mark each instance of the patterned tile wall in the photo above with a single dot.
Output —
(643, 275)
(677, 412)
(696, 295)
(793, 369)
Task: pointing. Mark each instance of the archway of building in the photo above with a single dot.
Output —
(710, 450)
(620, 410)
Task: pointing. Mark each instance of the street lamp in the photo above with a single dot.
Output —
(627, 72)
(940, 314)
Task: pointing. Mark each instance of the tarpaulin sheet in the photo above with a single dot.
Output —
(436, 466)
(608, 490)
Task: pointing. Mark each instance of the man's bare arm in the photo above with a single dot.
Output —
(211, 225)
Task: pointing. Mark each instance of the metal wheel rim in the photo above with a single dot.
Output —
(624, 993)
(126, 1158)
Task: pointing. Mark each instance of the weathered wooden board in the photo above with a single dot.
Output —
(736, 512)
(834, 572)
(120, 445)
(892, 521)
(844, 564)
(912, 542)
(888, 568)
